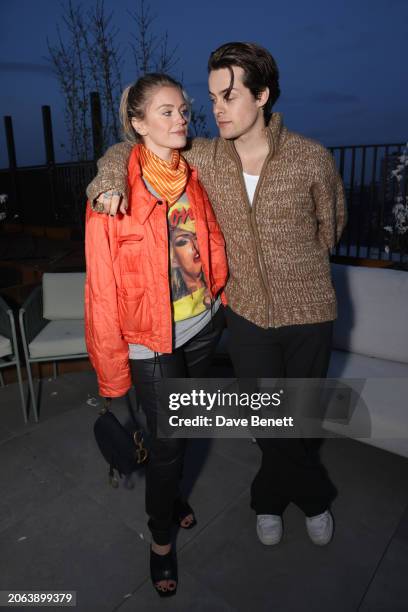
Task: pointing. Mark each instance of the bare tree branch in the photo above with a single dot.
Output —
(150, 50)
(87, 58)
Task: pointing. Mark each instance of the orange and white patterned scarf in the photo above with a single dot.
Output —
(169, 179)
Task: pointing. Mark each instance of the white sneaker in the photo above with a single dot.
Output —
(269, 528)
(320, 528)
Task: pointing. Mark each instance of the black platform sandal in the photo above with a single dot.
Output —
(163, 567)
(181, 510)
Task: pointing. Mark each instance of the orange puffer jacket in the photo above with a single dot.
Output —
(127, 290)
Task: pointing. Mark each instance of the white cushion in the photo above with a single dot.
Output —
(63, 295)
(380, 418)
(5, 346)
(59, 338)
(373, 311)
(352, 365)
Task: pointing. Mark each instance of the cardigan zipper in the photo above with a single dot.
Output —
(254, 229)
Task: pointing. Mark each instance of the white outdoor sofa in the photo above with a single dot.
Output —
(370, 357)
(371, 344)
(52, 323)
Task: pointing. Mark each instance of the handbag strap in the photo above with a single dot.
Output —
(106, 404)
(130, 409)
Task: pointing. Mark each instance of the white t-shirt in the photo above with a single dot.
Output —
(251, 182)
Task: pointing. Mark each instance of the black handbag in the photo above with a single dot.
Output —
(123, 450)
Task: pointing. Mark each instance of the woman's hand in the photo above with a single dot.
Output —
(110, 202)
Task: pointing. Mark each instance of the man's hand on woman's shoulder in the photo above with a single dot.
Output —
(107, 192)
(110, 203)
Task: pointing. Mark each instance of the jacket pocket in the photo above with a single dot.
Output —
(134, 310)
(131, 253)
(129, 238)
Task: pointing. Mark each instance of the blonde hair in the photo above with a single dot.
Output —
(135, 97)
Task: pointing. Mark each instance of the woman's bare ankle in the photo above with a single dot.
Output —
(161, 549)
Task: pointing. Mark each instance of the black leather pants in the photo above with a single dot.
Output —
(165, 463)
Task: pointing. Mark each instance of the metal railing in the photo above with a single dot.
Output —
(54, 194)
(370, 192)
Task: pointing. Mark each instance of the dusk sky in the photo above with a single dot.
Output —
(343, 64)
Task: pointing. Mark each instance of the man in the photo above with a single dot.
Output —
(280, 204)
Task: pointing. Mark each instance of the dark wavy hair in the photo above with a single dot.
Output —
(260, 69)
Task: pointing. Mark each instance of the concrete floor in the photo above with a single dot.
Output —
(62, 527)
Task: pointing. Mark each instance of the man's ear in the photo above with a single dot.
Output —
(138, 126)
(263, 97)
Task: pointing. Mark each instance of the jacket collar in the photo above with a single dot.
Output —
(274, 130)
(142, 201)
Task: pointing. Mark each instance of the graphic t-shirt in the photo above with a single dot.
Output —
(189, 293)
(191, 300)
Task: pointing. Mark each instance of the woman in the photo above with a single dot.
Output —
(154, 284)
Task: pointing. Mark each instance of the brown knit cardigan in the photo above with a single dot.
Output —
(278, 248)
